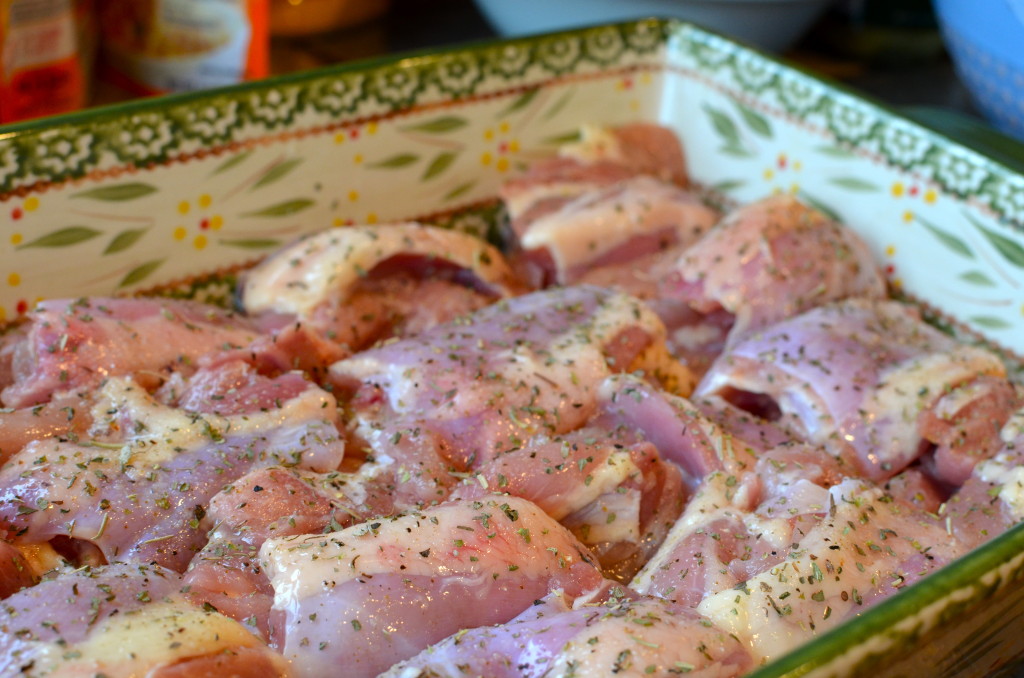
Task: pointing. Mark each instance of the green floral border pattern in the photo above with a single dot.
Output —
(153, 133)
(143, 134)
(855, 126)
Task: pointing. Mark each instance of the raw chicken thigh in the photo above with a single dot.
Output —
(69, 344)
(872, 379)
(487, 383)
(770, 260)
(622, 635)
(124, 620)
(363, 598)
(138, 488)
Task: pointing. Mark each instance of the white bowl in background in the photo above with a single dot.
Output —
(772, 25)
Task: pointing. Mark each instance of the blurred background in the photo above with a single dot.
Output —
(948, 62)
(890, 48)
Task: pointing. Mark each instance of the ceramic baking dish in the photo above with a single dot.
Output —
(178, 193)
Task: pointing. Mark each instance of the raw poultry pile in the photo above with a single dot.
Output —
(646, 438)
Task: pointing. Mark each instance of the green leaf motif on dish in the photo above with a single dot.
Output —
(520, 102)
(557, 107)
(118, 192)
(562, 139)
(991, 322)
(755, 121)
(232, 162)
(65, 237)
(252, 243)
(442, 125)
(977, 278)
(728, 185)
(712, 57)
(950, 241)
(1012, 251)
(736, 151)
(727, 129)
(835, 152)
(124, 240)
(396, 161)
(723, 125)
(438, 165)
(820, 206)
(854, 184)
(459, 191)
(282, 209)
(277, 171)
(140, 273)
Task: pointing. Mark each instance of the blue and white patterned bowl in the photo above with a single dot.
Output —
(986, 41)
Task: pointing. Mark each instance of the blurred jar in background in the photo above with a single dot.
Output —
(305, 17)
(46, 57)
(160, 46)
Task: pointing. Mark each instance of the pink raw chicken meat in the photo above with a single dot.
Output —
(15, 571)
(361, 599)
(601, 158)
(770, 260)
(701, 436)
(872, 378)
(621, 635)
(275, 501)
(487, 383)
(268, 502)
(740, 523)
(991, 501)
(64, 414)
(614, 226)
(865, 547)
(339, 291)
(138, 489)
(125, 621)
(612, 491)
(69, 344)
(672, 424)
